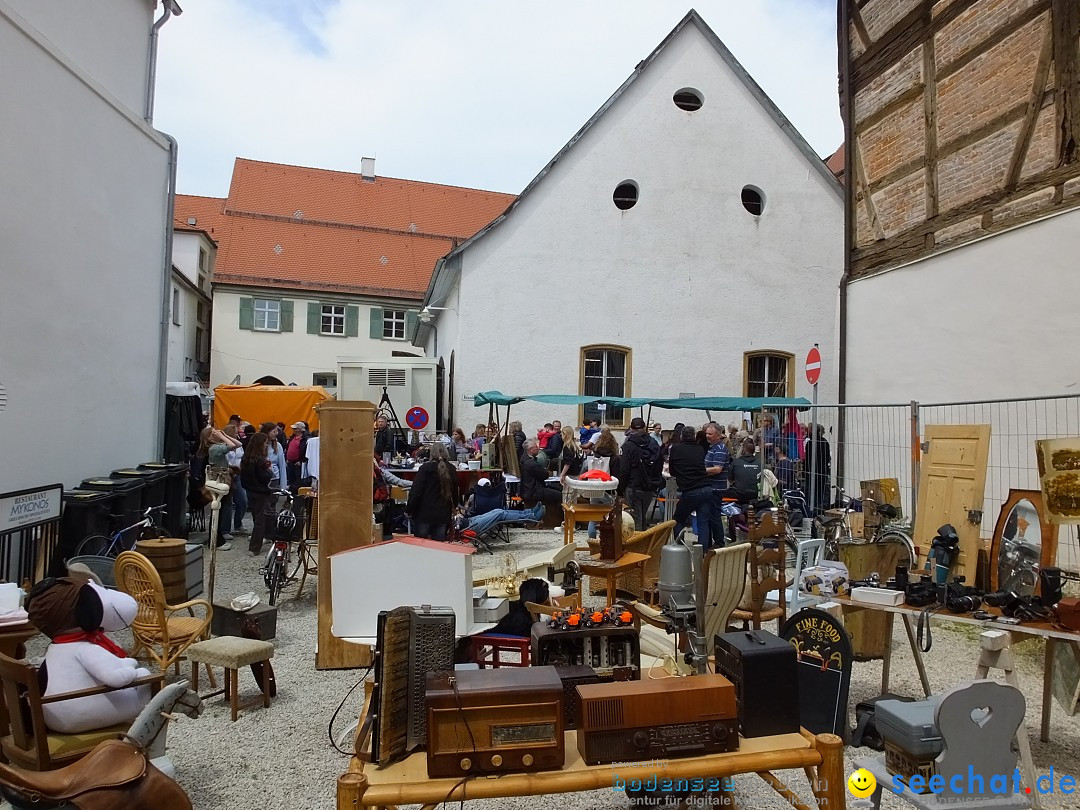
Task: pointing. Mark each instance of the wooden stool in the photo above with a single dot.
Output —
(232, 653)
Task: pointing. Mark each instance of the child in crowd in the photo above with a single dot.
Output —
(545, 433)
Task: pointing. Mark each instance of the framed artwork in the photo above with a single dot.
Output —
(1024, 542)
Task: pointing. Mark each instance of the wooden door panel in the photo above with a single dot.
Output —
(951, 484)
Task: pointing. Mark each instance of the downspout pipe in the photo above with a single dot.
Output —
(167, 12)
(166, 288)
(844, 49)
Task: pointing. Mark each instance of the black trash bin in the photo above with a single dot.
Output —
(175, 500)
(153, 493)
(127, 505)
(86, 512)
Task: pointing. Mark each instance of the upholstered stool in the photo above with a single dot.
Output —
(232, 653)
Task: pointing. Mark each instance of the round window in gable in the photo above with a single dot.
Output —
(753, 200)
(625, 196)
(688, 99)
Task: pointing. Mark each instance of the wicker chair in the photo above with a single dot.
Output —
(650, 541)
(156, 624)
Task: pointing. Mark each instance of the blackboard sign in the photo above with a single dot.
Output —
(824, 651)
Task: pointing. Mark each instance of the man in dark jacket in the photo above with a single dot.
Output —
(686, 461)
(534, 486)
(384, 437)
(745, 473)
(555, 447)
(640, 473)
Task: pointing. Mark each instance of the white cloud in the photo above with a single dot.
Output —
(475, 92)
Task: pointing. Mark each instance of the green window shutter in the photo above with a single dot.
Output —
(247, 313)
(412, 324)
(286, 316)
(314, 318)
(376, 323)
(352, 321)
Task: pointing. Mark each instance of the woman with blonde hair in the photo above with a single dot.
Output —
(573, 458)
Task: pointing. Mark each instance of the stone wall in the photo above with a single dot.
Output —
(958, 124)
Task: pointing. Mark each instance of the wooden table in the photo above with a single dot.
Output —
(1018, 633)
(611, 570)
(406, 782)
(573, 512)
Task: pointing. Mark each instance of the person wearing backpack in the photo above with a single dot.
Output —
(640, 472)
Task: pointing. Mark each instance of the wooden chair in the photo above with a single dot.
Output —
(725, 582)
(641, 585)
(767, 570)
(30, 744)
(156, 624)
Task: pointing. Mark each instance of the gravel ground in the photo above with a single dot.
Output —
(283, 758)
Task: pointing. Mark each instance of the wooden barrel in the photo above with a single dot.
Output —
(167, 556)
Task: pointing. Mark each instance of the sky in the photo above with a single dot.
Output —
(478, 93)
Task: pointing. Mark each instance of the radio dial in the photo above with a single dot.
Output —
(719, 732)
(466, 763)
(641, 739)
(527, 760)
(496, 761)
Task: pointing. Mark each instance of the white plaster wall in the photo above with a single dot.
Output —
(687, 278)
(292, 357)
(109, 39)
(185, 255)
(992, 319)
(82, 227)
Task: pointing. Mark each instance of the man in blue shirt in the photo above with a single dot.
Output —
(717, 463)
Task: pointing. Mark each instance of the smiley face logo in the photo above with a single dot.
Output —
(861, 784)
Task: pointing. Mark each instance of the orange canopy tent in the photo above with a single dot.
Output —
(269, 403)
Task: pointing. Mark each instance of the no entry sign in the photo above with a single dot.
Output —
(813, 366)
(416, 418)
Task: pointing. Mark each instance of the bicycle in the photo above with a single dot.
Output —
(837, 530)
(275, 569)
(100, 545)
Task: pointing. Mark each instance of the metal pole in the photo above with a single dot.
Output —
(812, 478)
(916, 462)
(761, 450)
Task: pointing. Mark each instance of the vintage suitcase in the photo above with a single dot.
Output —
(229, 622)
(489, 721)
(764, 669)
(911, 737)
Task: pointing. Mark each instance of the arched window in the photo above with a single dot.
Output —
(768, 373)
(605, 372)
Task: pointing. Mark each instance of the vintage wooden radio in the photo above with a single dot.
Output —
(668, 717)
(764, 669)
(491, 721)
(614, 652)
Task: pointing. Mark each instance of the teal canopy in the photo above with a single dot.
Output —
(693, 403)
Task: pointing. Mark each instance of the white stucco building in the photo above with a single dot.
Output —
(686, 240)
(189, 305)
(314, 266)
(85, 201)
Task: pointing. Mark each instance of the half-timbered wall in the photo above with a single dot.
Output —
(964, 118)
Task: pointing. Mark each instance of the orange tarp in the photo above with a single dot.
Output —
(269, 403)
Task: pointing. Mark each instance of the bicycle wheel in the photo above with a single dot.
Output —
(834, 532)
(907, 553)
(276, 578)
(96, 545)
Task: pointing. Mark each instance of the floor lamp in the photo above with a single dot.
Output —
(218, 491)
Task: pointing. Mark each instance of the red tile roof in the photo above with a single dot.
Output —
(835, 163)
(300, 228)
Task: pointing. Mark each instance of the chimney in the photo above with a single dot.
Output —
(367, 169)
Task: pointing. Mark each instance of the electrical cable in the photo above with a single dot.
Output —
(330, 725)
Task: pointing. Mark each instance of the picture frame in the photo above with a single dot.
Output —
(1022, 513)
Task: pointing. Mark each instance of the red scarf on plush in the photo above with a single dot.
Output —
(96, 637)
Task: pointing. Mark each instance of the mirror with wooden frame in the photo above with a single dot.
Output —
(1024, 542)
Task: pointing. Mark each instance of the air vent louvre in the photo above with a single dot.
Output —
(605, 713)
(376, 376)
(395, 376)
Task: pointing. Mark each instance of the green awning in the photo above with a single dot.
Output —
(721, 404)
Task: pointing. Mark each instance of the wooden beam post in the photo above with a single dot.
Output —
(346, 451)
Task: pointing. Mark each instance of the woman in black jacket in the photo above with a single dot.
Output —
(255, 477)
(433, 495)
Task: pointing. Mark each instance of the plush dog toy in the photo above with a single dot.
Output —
(74, 611)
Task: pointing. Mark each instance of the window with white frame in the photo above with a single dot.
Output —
(394, 324)
(333, 319)
(768, 374)
(267, 315)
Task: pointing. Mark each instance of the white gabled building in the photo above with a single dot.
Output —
(85, 207)
(686, 240)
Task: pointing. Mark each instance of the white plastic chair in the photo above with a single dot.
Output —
(808, 554)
